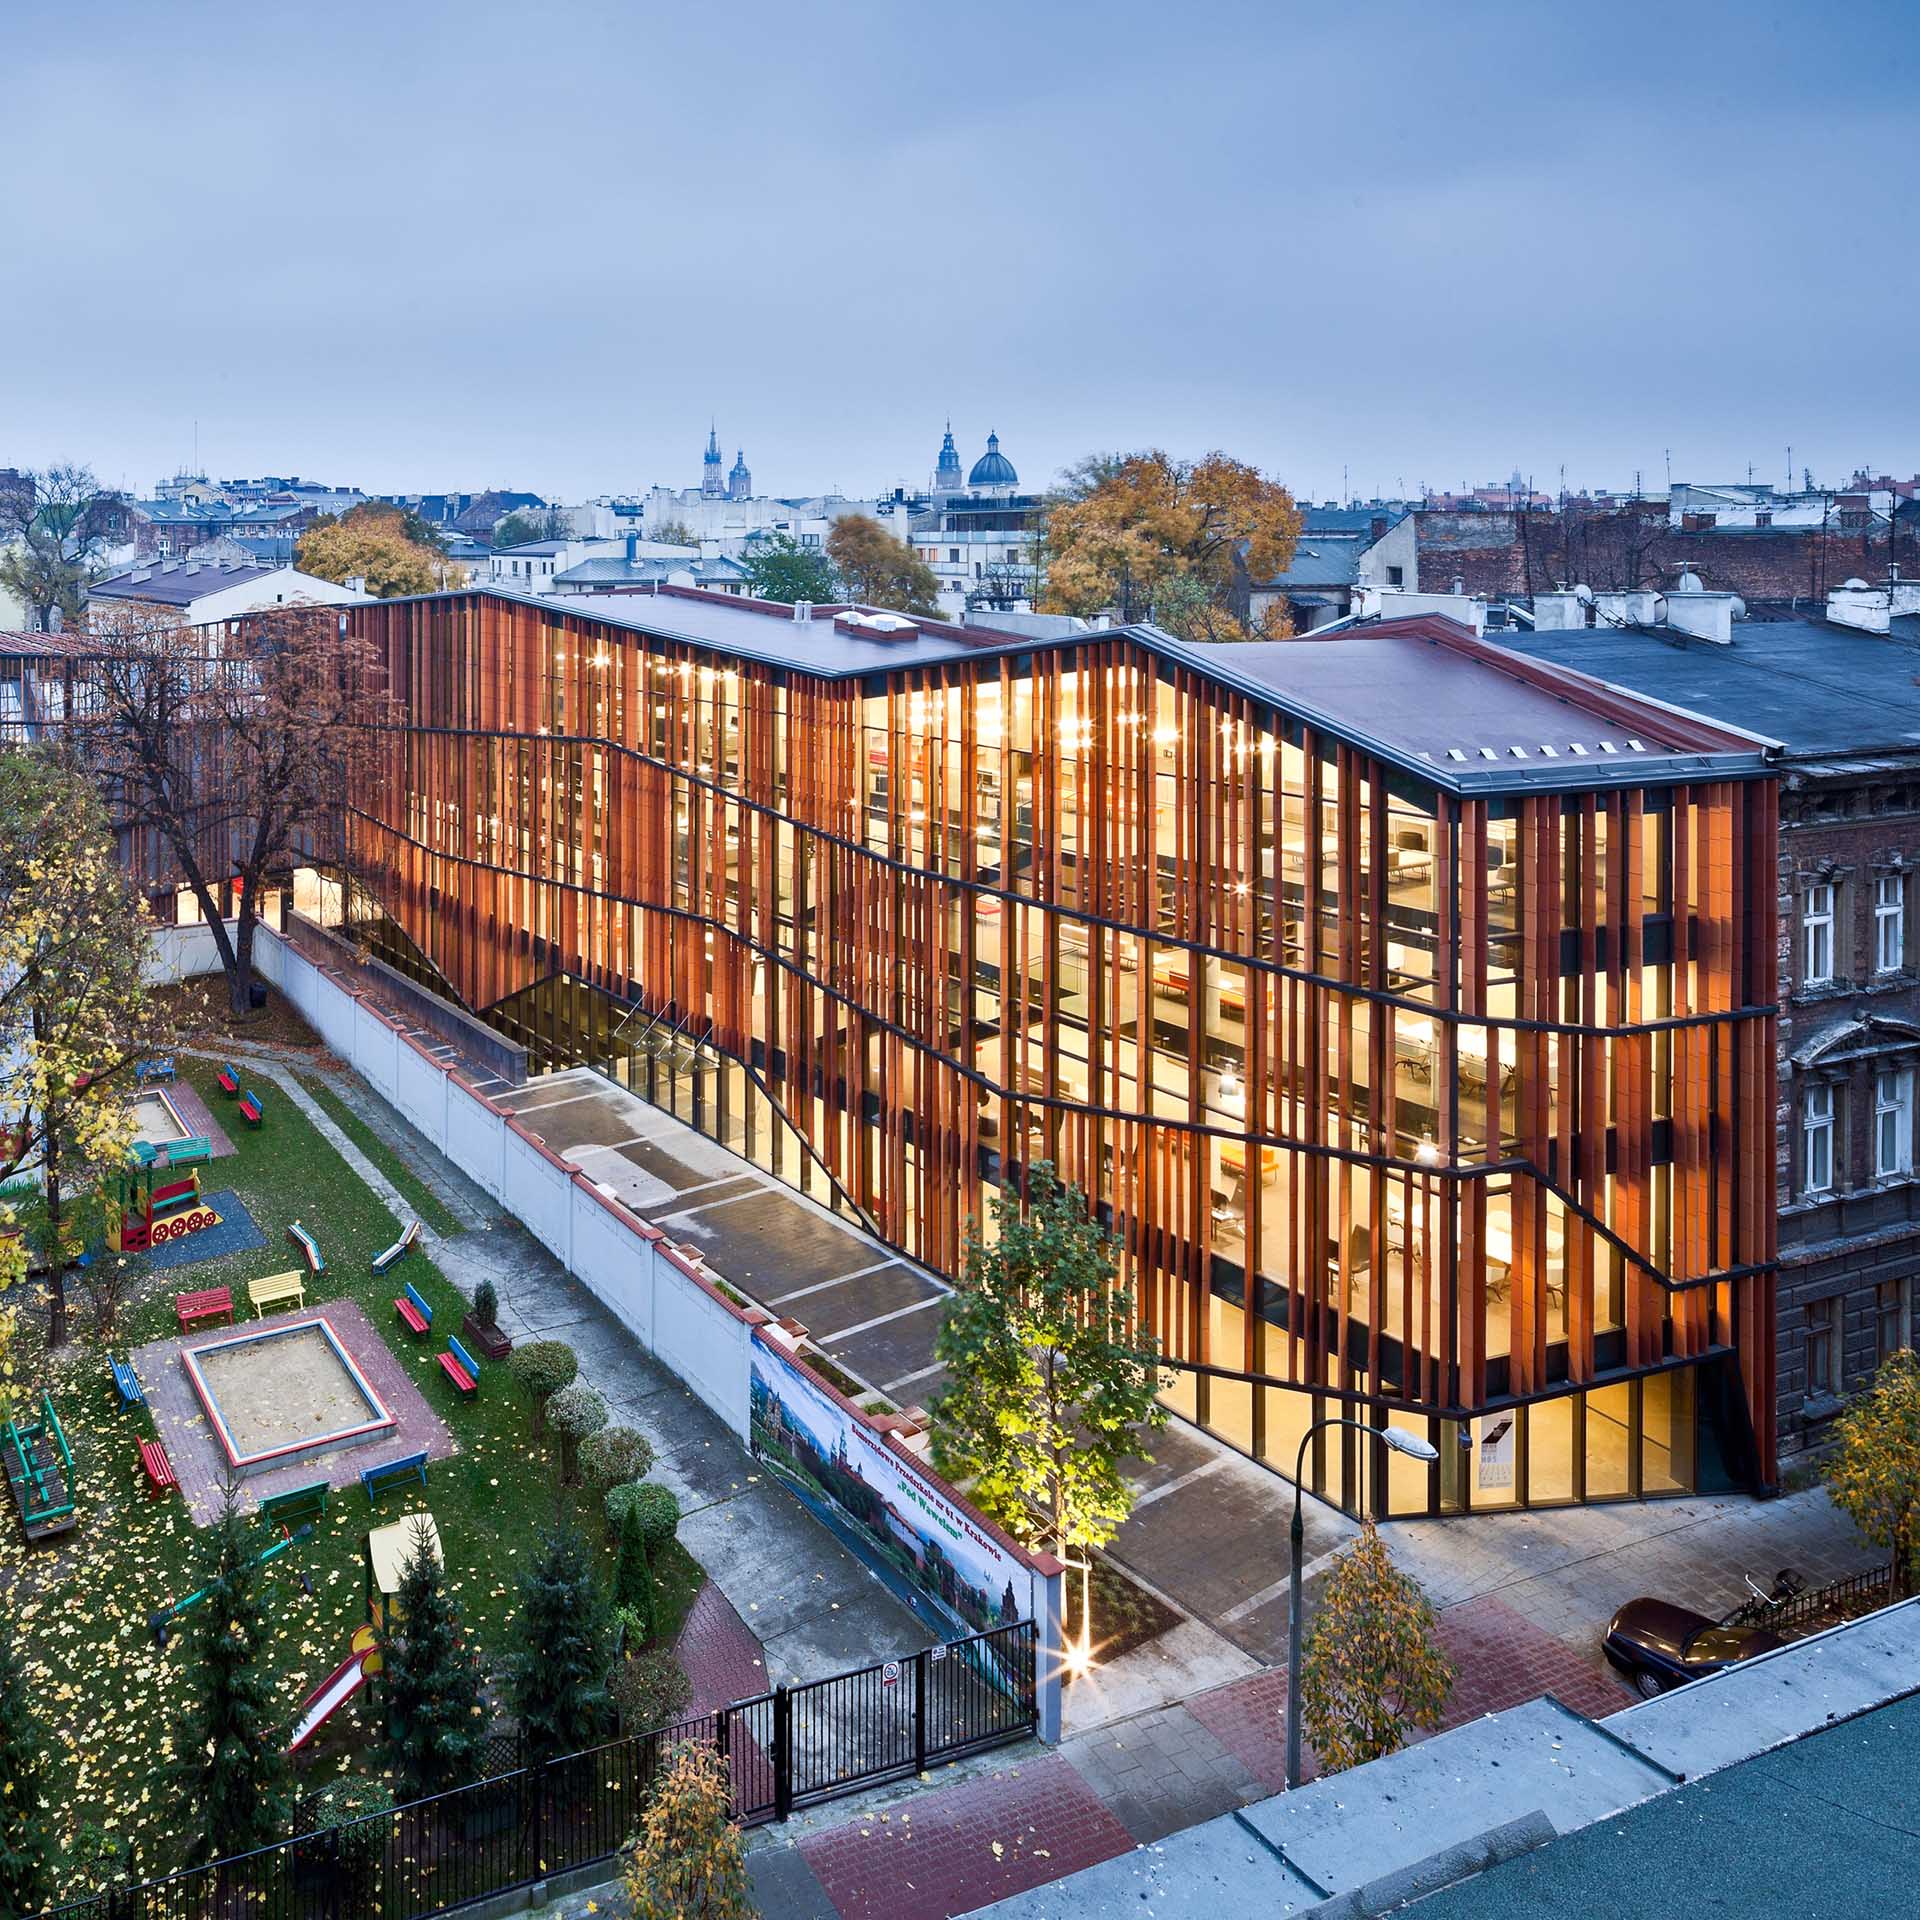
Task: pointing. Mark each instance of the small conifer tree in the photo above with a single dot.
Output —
(25, 1780)
(559, 1676)
(435, 1720)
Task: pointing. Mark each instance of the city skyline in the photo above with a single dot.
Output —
(1516, 245)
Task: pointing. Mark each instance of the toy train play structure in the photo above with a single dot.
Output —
(159, 1196)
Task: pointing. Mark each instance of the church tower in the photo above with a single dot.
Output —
(740, 481)
(946, 472)
(712, 485)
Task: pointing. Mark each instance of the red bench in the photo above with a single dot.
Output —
(228, 1081)
(215, 1303)
(158, 1469)
(461, 1368)
(250, 1108)
(414, 1311)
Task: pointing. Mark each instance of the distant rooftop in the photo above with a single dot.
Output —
(178, 583)
(1819, 690)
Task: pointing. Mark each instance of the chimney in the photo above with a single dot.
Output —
(633, 548)
(356, 583)
(803, 612)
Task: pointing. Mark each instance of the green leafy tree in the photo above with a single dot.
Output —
(26, 1788)
(688, 1862)
(1053, 1384)
(1873, 1476)
(435, 1720)
(559, 1675)
(780, 568)
(878, 570)
(574, 1413)
(53, 527)
(543, 1367)
(231, 1773)
(650, 1690)
(1371, 1670)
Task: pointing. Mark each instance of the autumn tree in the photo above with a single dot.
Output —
(237, 752)
(879, 571)
(1053, 1384)
(1874, 1474)
(370, 542)
(53, 527)
(1173, 541)
(231, 1770)
(435, 1721)
(74, 1011)
(687, 1862)
(780, 568)
(1372, 1670)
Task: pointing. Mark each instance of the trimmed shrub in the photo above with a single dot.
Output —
(649, 1689)
(486, 1304)
(613, 1455)
(574, 1412)
(347, 1805)
(656, 1511)
(542, 1368)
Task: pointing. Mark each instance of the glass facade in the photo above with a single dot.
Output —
(1404, 1102)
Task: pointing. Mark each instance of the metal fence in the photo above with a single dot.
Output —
(793, 1747)
(1819, 1606)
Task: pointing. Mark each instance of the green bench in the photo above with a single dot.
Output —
(285, 1511)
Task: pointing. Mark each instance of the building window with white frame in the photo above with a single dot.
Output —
(1892, 1122)
(1816, 1138)
(1890, 923)
(1816, 936)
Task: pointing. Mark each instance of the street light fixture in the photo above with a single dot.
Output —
(1401, 1441)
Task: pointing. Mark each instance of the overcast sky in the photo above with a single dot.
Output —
(418, 244)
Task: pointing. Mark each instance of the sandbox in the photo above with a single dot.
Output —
(277, 1394)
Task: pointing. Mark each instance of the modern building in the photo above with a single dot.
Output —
(1406, 1007)
(1845, 705)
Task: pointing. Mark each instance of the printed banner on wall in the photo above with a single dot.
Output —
(931, 1555)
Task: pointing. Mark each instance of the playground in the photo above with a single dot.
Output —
(85, 1596)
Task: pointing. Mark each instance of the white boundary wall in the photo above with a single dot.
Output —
(660, 1294)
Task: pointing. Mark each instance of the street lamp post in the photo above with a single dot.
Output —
(1401, 1441)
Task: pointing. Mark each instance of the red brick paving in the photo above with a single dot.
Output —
(198, 1116)
(201, 1467)
(719, 1652)
(934, 1855)
(1500, 1659)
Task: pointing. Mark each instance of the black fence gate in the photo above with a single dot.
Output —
(794, 1747)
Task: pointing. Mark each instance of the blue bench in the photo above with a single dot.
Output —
(415, 1314)
(128, 1382)
(309, 1246)
(460, 1367)
(382, 1261)
(156, 1069)
(376, 1480)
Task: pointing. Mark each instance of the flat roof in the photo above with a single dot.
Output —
(1421, 693)
(1818, 690)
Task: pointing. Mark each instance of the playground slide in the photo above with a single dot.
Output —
(337, 1688)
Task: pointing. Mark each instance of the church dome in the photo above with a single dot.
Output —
(993, 468)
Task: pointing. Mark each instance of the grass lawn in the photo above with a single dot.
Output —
(80, 1607)
(420, 1197)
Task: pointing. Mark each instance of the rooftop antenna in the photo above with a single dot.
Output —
(1669, 454)
(1789, 466)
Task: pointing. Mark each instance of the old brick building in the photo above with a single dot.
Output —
(1845, 708)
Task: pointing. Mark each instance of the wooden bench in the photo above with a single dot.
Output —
(277, 1290)
(377, 1479)
(286, 1511)
(415, 1314)
(158, 1469)
(460, 1367)
(212, 1303)
(309, 1247)
(382, 1261)
(194, 1151)
(250, 1108)
(128, 1383)
(228, 1080)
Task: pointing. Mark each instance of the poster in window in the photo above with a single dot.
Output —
(1495, 1449)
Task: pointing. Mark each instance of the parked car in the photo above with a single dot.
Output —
(1657, 1645)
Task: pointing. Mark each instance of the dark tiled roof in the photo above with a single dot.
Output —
(178, 585)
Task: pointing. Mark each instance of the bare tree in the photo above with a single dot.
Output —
(235, 751)
(1004, 586)
(53, 525)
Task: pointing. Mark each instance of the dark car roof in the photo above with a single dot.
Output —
(1660, 1624)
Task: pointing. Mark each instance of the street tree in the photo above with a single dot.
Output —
(54, 525)
(238, 752)
(879, 571)
(780, 568)
(1147, 536)
(558, 1676)
(370, 542)
(687, 1862)
(1371, 1670)
(1053, 1383)
(74, 1012)
(1873, 1475)
(435, 1720)
(231, 1769)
